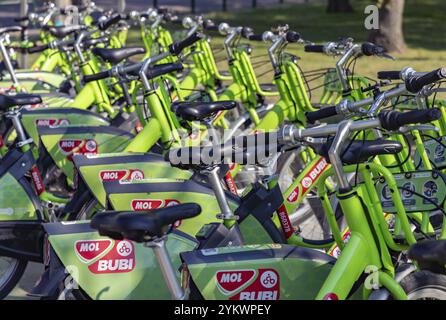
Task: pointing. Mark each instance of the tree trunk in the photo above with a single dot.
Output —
(389, 34)
(339, 6)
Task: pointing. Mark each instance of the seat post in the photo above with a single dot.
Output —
(214, 179)
(17, 123)
(167, 269)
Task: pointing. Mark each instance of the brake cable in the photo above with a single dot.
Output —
(304, 77)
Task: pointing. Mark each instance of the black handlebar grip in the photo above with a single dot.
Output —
(392, 120)
(255, 37)
(36, 49)
(319, 48)
(389, 75)
(81, 8)
(21, 19)
(292, 36)
(322, 113)
(415, 84)
(165, 68)
(97, 76)
(104, 25)
(212, 28)
(370, 49)
(208, 24)
(176, 48)
(95, 41)
(42, 9)
(162, 10)
(176, 20)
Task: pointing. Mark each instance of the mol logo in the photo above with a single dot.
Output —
(89, 250)
(112, 175)
(152, 204)
(230, 281)
(120, 175)
(294, 195)
(52, 122)
(68, 145)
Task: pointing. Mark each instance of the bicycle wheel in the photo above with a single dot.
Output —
(11, 271)
(425, 285)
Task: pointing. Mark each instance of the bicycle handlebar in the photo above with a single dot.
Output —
(370, 49)
(153, 72)
(415, 83)
(97, 76)
(105, 24)
(210, 25)
(176, 48)
(255, 37)
(292, 36)
(21, 19)
(389, 75)
(322, 113)
(393, 120)
(40, 48)
(319, 48)
(389, 120)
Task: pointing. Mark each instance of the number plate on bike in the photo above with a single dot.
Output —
(419, 191)
(436, 152)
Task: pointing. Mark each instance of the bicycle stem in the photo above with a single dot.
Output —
(340, 66)
(8, 63)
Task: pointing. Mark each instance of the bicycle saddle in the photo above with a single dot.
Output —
(10, 29)
(430, 254)
(360, 151)
(62, 32)
(114, 56)
(197, 111)
(20, 99)
(141, 227)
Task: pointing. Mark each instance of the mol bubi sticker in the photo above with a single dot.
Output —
(121, 175)
(102, 260)
(260, 284)
(71, 147)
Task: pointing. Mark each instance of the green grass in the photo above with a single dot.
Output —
(424, 28)
(423, 21)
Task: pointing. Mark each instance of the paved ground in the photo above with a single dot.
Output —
(32, 274)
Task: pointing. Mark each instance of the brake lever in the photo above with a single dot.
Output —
(426, 127)
(386, 56)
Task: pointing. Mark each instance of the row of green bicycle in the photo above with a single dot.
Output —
(114, 134)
